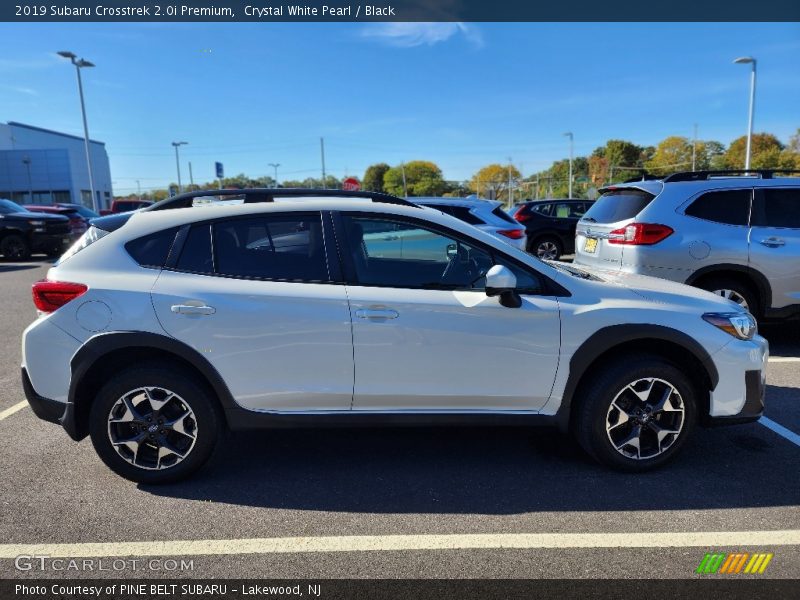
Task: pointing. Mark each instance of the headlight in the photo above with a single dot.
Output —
(740, 325)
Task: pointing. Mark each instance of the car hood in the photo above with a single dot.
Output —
(663, 291)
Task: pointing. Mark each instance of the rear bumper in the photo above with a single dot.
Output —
(46, 409)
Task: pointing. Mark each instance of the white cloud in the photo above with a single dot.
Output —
(409, 35)
(22, 90)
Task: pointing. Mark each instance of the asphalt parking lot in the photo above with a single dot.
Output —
(438, 503)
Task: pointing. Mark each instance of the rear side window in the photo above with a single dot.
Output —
(779, 208)
(459, 212)
(619, 205)
(152, 250)
(500, 213)
(282, 248)
(730, 207)
(542, 209)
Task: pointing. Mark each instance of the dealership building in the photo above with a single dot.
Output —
(40, 166)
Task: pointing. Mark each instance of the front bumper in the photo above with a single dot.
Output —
(739, 395)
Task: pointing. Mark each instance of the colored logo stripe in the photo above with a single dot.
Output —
(720, 562)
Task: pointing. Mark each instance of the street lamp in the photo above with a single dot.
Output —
(749, 60)
(178, 163)
(80, 63)
(275, 166)
(571, 140)
(26, 160)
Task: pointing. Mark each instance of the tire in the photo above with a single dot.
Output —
(546, 247)
(157, 456)
(54, 252)
(733, 289)
(15, 247)
(602, 428)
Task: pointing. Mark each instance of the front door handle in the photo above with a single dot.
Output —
(191, 309)
(772, 242)
(377, 314)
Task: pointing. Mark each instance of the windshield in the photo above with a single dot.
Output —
(8, 207)
(85, 212)
(618, 205)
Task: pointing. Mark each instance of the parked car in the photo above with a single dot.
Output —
(162, 327)
(78, 224)
(733, 234)
(487, 215)
(23, 232)
(550, 225)
(120, 206)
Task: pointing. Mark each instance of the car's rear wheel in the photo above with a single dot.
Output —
(153, 425)
(636, 414)
(547, 248)
(735, 290)
(15, 247)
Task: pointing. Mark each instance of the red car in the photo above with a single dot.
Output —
(118, 206)
(78, 216)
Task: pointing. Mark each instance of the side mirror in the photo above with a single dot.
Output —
(500, 281)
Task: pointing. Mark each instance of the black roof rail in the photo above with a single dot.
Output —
(270, 194)
(703, 175)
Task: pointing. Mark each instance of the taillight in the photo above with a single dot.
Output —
(522, 216)
(640, 234)
(514, 234)
(49, 296)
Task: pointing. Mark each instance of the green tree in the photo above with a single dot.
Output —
(422, 178)
(671, 154)
(492, 181)
(618, 160)
(373, 177)
(765, 152)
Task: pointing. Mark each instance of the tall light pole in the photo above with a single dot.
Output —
(275, 166)
(322, 154)
(178, 163)
(80, 63)
(510, 193)
(571, 141)
(694, 148)
(749, 60)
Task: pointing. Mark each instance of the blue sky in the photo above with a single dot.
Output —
(460, 95)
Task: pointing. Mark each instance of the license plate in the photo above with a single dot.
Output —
(590, 246)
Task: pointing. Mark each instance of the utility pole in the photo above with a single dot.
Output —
(322, 152)
(27, 162)
(405, 189)
(694, 149)
(510, 193)
(275, 166)
(191, 177)
(138, 190)
(571, 140)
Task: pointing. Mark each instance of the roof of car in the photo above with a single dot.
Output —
(468, 201)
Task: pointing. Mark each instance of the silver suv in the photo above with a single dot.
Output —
(733, 233)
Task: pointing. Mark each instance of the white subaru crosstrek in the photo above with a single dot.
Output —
(162, 327)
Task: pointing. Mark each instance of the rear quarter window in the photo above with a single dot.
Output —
(152, 250)
(501, 214)
(619, 205)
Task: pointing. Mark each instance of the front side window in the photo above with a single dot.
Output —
(778, 208)
(730, 207)
(283, 248)
(393, 253)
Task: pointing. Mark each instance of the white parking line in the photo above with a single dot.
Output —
(393, 543)
(10, 411)
(784, 359)
(780, 430)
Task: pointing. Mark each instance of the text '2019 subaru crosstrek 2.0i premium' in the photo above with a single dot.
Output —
(267, 308)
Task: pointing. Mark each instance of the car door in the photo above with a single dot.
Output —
(775, 242)
(425, 334)
(264, 308)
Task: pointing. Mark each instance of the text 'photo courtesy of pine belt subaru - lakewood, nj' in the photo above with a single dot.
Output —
(267, 308)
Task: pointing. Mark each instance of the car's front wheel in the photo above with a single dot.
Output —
(153, 425)
(635, 415)
(15, 247)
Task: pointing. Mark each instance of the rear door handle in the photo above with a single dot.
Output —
(772, 242)
(377, 314)
(191, 309)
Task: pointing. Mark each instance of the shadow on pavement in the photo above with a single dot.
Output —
(486, 470)
(16, 267)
